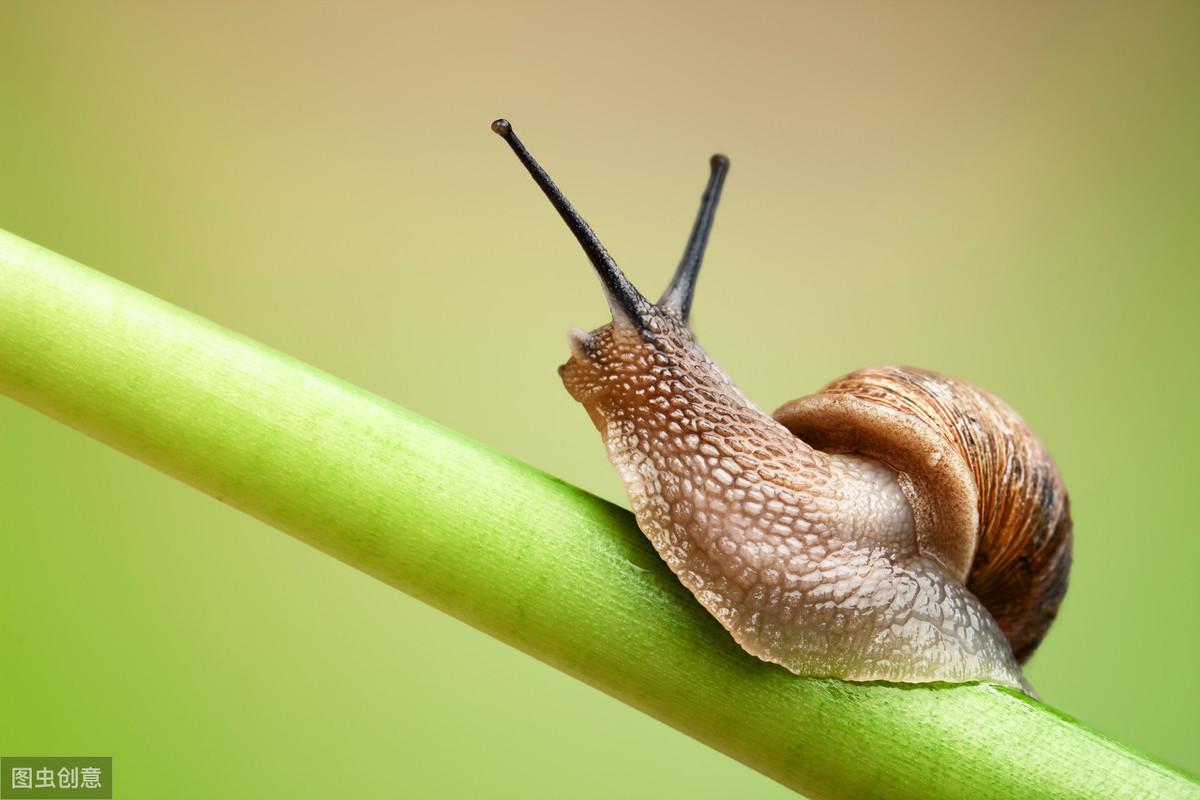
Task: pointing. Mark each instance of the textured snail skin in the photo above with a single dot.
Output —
(809, 559)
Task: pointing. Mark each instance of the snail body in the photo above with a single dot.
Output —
(898, 525)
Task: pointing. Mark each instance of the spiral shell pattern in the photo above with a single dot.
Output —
(1022, 546)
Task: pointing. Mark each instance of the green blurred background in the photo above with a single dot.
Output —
(1005, 192)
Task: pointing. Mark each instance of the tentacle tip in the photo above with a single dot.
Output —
(580, 342)
(718, 161)
(502, 128)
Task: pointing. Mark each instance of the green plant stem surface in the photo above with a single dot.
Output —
(542, 565)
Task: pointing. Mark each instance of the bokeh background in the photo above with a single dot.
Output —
(1007, 192)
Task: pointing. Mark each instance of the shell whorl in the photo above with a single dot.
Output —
(955, 446)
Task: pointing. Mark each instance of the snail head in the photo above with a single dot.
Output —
(617, 364)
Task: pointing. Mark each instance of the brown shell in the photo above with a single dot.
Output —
(987, 498)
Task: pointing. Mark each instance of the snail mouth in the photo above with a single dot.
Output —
(582, 374)
(582, 383)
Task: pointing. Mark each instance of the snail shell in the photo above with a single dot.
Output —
(987, 498)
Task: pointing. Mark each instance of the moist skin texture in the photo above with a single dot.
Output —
(809, 559)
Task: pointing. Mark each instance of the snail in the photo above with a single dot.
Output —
(898, 525)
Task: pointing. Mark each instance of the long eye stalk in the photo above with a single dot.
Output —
(623, 297)
(678, 295)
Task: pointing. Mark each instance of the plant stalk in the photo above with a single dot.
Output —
(516, 553)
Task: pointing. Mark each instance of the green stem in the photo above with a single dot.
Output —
(541, 565)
